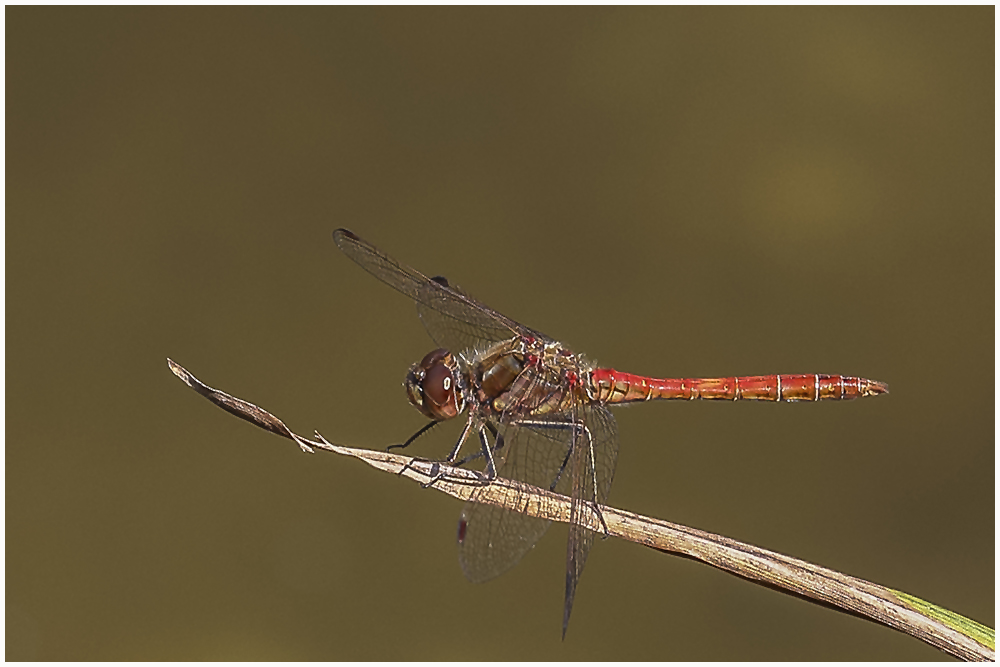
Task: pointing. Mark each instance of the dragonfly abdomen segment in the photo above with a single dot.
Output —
(611, 386)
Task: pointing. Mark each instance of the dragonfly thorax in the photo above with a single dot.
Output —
(433, 386)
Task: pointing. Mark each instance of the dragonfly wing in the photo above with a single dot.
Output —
(492, 539)
(454, 319)
(472, 328)
(593, 459)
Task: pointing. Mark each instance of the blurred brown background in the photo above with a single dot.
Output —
(673, 191)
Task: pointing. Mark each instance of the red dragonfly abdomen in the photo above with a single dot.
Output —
(611, 386)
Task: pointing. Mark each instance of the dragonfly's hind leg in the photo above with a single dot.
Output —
(593, 479)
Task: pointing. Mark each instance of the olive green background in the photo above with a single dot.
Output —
(672, 191)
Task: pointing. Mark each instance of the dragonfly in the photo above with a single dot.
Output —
(540, 412)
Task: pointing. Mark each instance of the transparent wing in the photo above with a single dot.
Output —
(554, 454)
(475, 330)
(453, 319)
(593, 460)
(491, 539)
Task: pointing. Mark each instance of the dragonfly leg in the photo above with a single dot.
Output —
(461, 441)
(497, 446)
(454, 452)
(593, 479)
(604, 525)
(491, 466)
(487, 451)
(562, 468)
(409, 441)
(413, 437)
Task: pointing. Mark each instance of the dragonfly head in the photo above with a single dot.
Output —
(432, 385)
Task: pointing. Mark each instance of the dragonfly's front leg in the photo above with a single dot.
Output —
(412, 438)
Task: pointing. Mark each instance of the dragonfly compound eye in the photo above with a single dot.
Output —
(439, 391)
(430, 385)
